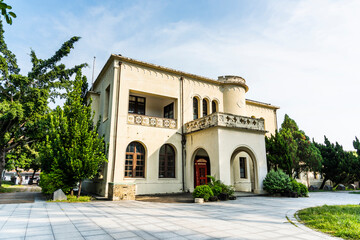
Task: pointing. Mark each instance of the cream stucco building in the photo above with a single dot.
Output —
(166, 130)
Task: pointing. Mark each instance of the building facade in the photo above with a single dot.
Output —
(167, 130)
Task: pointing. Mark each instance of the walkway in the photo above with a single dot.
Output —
(244, 218)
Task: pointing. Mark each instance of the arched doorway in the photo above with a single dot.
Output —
(201, 167)
(244, 175)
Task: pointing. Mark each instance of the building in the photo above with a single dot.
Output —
(166, 130)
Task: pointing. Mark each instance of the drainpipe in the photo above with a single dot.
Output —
(183, 139)
(116, 122)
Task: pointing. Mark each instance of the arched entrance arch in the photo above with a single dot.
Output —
(201, 167)
(244, 170)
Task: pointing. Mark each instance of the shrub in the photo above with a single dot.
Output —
(303, 190)
(295, 187)
(219, 188)
(50, 182)
(203, 191)
(277, 182)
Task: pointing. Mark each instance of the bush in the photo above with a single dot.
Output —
(203, 191)
(303, 190)
(299, 188)
(277, 182)
(220, 189)
(50, 182)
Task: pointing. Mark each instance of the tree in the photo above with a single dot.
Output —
(24, 99)
(336, 163)
(8, 15)
(72, 146)
(291, 150)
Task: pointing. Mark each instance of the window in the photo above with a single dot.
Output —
(135, 161)
(242, 167)
(195, 108)
(107, 105)
(169, 111)
(205, 107)
(137, 105)
(214, 106)
(167, 162)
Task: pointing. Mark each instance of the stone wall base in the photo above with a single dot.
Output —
(120, 191)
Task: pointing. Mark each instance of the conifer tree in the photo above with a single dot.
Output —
(72, 149)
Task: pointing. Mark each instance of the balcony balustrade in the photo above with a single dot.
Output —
(149, 121)
(225, 120)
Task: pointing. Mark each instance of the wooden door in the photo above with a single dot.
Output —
(200, 172)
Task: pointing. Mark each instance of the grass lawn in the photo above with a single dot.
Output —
(354, 192)
(75, 199)
(7, 187)
(340, 221)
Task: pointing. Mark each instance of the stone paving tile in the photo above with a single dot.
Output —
(244, 218)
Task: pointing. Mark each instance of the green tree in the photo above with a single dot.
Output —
(291, 150)
(8, 15)
(336, 162)
(72, 146)
(24, 99)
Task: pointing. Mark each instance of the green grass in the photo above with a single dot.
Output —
(8, 187)
(354, 192)
(75, 199)
(340, 221)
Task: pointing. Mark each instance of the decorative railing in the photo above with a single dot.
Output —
(144, 120)
(225, 120)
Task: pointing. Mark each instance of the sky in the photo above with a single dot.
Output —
(302, 56)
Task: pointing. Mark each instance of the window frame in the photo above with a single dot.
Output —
(214, 103)
(134, 160)
(136, 105)
(167, 111)
(196, 108)
(243, 174)
(165, 158)
(205, 105)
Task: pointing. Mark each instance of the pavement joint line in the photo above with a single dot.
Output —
(91, 220)
(9, 217)
(28, 220)
(51, 225)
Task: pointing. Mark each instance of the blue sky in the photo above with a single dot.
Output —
(300, 55)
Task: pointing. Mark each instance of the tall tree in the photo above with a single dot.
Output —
(336, 162)
(291, 150)
(72, 144)
(24, 99)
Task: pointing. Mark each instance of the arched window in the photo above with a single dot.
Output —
(167, 162)
(214, 106)
(205, 107)
(135, 160)
(195, 108)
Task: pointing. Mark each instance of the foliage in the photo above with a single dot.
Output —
(203, 191)
(8, 15)
(72, 146)
(71, 198)
(24, 99)
(340, 221)
(337, 164)
(277, 182)
(52, 181)
(299, 188)
(219, 187)
(291, 150)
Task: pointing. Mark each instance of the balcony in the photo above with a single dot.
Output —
(149, 121)
(225, 120)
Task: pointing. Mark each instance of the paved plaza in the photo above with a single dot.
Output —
(244, 218)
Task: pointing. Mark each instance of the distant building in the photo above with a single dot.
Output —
(167, 130)
(26, 175)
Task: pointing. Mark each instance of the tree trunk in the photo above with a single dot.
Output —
(19, 176)
(323, 183)
(2, 165)
(34, 173)
(72, 192)
(79, 189)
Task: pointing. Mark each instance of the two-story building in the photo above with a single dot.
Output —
(167, 130)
